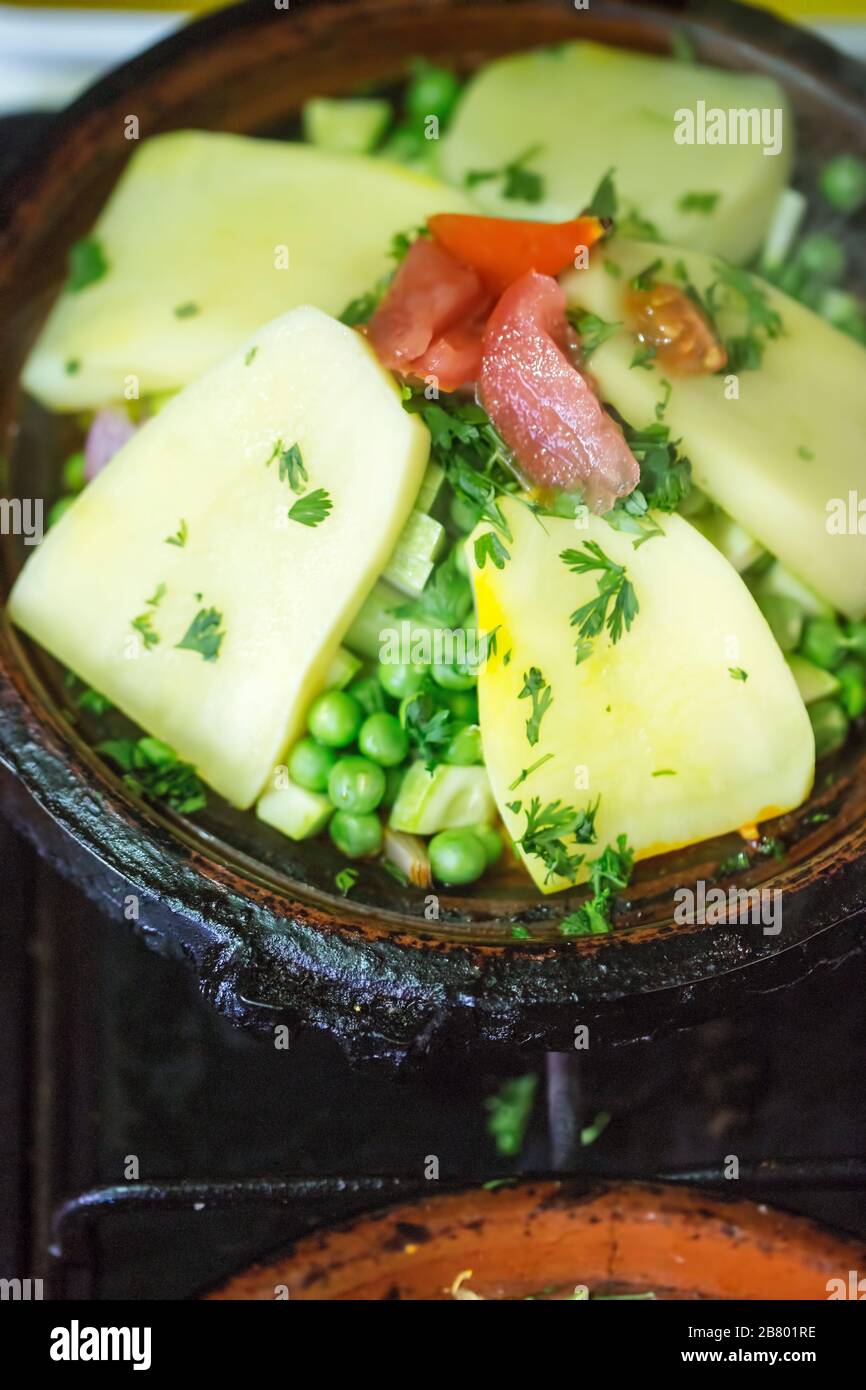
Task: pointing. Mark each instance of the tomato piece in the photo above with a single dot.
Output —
(502, 250)
(544, 408)
(429, 296)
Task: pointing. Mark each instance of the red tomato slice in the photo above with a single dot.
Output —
(430, 296)
(544, 408)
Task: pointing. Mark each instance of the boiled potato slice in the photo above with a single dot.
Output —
(206, 236)
(582, 108)
(660, 726)
(772, 446)
(284, 592)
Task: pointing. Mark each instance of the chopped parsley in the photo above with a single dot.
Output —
(604, 203)
(527, 772)
(665, 772)
(592, 330)
(645, 279)
(549, 828)
(445, 599)
(312, 508)
(518, 182)
(644, 356)
(536, 689)
(488, 546)
(736, 288)
(187, 310)
(143, 624)
(346, 880)
(248, 356)
(203, 634)
(72, 366)
(429, 725)
(737, 673)
(611, 870)
(154, 770)
(509, 1111)
(614, 587)
(734, 864)
(805, 454)
(87, 264)
(291, 465)
(698, 202)
(180, 537)
(662, 404)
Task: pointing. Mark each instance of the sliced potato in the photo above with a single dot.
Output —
(105, 580)
(581, 108)
(772, 446)
(206, 236)
(660, 727)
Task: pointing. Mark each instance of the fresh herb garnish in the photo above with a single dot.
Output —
(591, 1132)
(72, 367)
(445, 599)
(249, 355)
(745, 351)
(592, 330)
(187, 310)
(291, 465)
(536, 689)
(346, 880)
(488, 546)
(734, 864)
(737, 673)
(430, 726)
(698, 202)
(87, 264)
(143, 624)
(645, 279)
(549, 828)
(632, 224)
(604, 202)
(664, 772)
(312, 508)
(154, 770)
(203, 634)
(518, 182)
(662, 404)
(644, 355)
(611, 870)
(509, 1111)
(614, 587)
(526, 772)
(180, 537)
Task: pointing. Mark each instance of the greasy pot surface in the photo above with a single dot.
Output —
(518, 1241)
(255, 913)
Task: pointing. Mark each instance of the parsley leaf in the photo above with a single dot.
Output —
(592, 330)
(291, 465)
(613, 587)
(517, 181)
(645, 279)
(489, 547)
(738, 674)
(143, 624)
(527, 772)
(549, 828)
(154, 770)
(429, 725)
(603, 203)
(346, 880)
(611, 870)
(180, 537)
(203, 634)
(87, 264)
(445, 599)
(312, 508)
(736, 288)
(536, 689)
(187, 310)
(698, 202)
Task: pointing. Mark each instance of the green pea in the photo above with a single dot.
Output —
(358, 837)
(369, 694)
(357, 785)
(785, 617)
(464, 748)
(463, 704)
(384, 740)
(824, 643)
(457, 856)
(463, 514)
(399, 679)
(852, 696)
(335, 718)
(310, 764)
(454, 677)
(432, 91)
(823, 256)
(843, 182)
(73, 473)
(829, 725)
(492, 842)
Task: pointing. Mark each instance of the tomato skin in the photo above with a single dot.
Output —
(544, 408)
(502, 250)
(424, 318)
